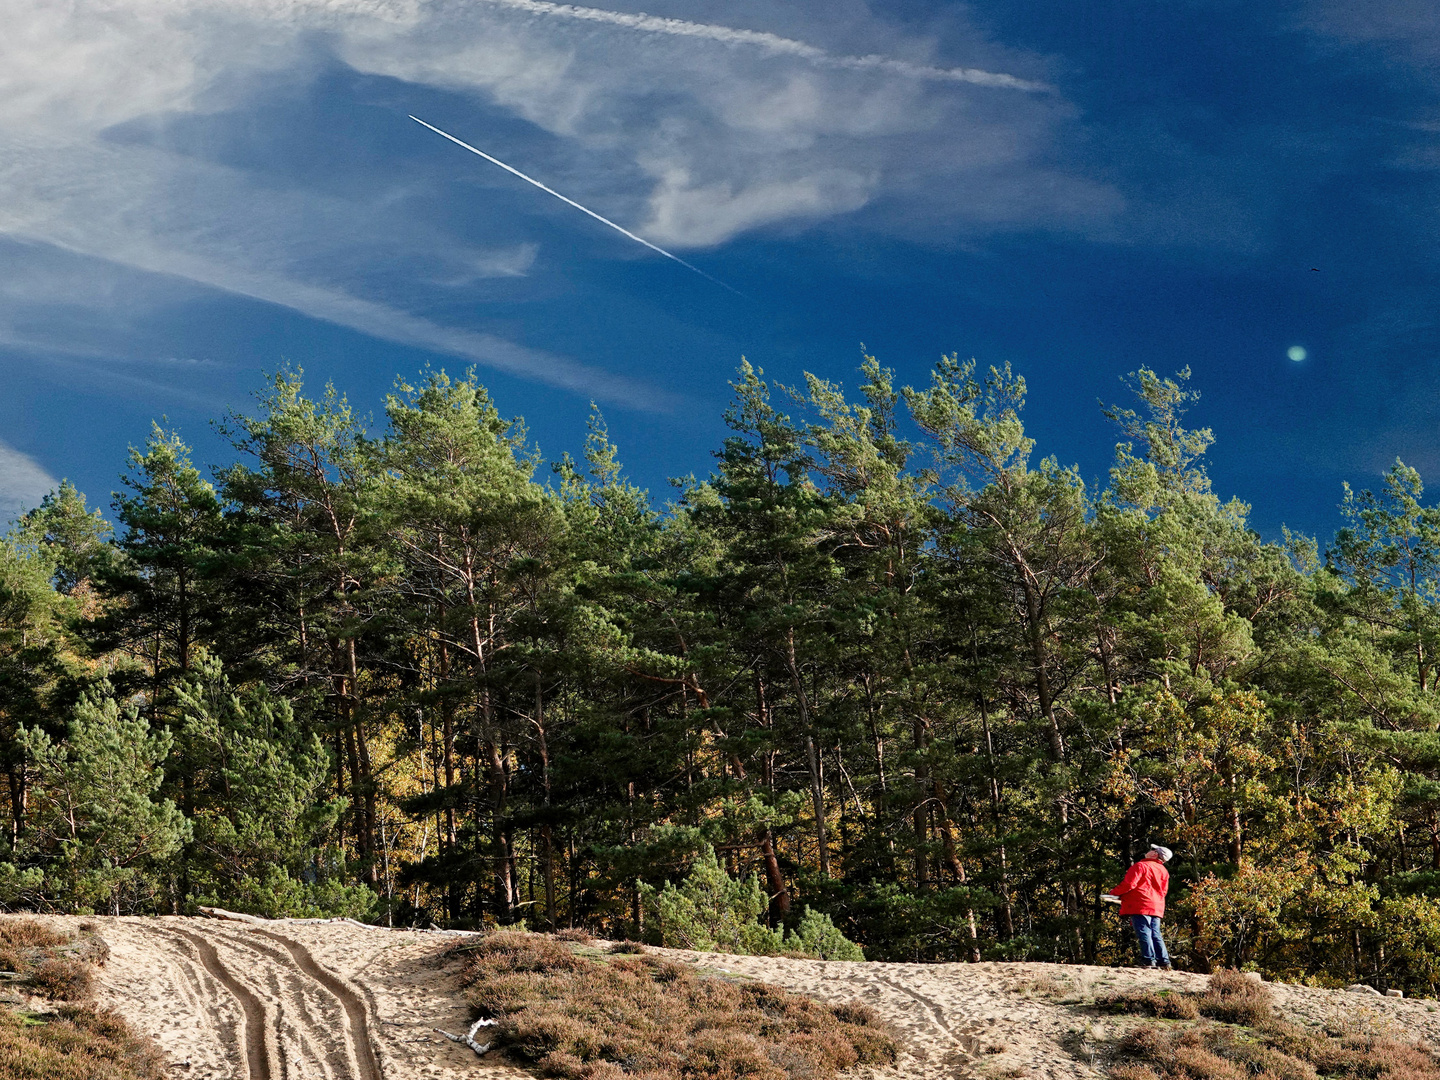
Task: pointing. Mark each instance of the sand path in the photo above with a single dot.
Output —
(290, 1001)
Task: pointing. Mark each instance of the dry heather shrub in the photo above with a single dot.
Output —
(1235, 999)
(62, 980)
(1130, 1071)
(1161, 1004)
(659, 969)
(857, 1012)
(1294, 1040)
(627, 947)
(1277, 1051)
(1370, 1058)
(574, 933)
(30, 934)
(1146, 1043)
(1383, 1059)
(1270, 1061)
(56, 966)
(1202, 1064)
(1041, 985)
(83, 1043)
(25, 942)
(648, 1018)
(508, 951)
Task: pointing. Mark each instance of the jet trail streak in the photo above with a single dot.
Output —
(551, 191)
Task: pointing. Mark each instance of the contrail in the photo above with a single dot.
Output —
(551, 191)
(772, 43)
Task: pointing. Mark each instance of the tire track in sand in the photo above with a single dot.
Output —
(315, 1046)
(201, 1002)
(254, 1044)
(356, 1014)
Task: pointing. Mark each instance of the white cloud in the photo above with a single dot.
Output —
(162, 214)
(23, 482)
(140, 208)
(1408, 28)
(683, 213)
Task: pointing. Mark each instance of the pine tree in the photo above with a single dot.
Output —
(263, 827)
(97, 828)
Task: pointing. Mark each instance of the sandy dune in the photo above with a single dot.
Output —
(338, 1001)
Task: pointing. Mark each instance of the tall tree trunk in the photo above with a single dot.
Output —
(17, 779)
(956, 867)
(876, 741)
(919, 813)
(1035, 630)
(547, 853)
(447, 749)
(1035, 626)
(1007, 911)
(500, 833)
(812, 754)
(774, 879)
(364, 779)
(1233, 819)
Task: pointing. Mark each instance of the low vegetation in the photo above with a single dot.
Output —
(1163, 1004)
(579, 1016)
(49, 964)
(1233, 1033)
(76, 1042)
(49, 1030)
(1231, 997)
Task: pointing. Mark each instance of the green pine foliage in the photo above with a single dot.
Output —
(96, 823)
(253, 780)
(710, 911)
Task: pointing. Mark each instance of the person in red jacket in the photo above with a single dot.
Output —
(1142, 898)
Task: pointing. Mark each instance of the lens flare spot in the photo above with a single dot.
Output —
(1296, 352)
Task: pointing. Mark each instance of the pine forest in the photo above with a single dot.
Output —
(884, 678)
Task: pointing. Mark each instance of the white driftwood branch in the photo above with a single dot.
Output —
(233, 916)
(469, 1037)
(256, 920)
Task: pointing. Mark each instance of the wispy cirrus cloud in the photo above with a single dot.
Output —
(692, 134)
(686, 131)
(113, 205)
(773, 44)
(23, 483)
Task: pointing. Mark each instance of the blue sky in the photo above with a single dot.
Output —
(192, 192)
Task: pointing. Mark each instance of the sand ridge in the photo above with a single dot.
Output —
(296, 1000)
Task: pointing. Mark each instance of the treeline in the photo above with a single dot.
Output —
(881, 659)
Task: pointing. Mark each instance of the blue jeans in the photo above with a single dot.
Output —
(1152, 945)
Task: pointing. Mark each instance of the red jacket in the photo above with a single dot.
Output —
(1144, 888)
